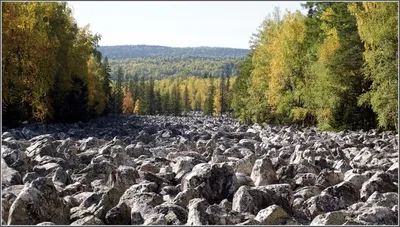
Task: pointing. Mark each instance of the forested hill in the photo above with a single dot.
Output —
(162, 62)
(140, 51)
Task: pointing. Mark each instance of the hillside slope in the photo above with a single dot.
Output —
(140, 51)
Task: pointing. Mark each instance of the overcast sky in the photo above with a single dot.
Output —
(177, 24)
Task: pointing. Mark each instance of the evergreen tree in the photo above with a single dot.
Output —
(151, 97)
(135, 88)
(107, 85)
(209, 104)
(158, 102)
(378, 29)
(176, 100)
(240, 90)
(142, 96)
(222, 94)
(228, 96)
(118, 93)
(166, 103)
(186, 99)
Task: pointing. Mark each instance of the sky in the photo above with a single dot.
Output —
(176, 24)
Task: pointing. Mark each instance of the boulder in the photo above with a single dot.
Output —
(7, 200)
(119, 215)
(272, 215)
(9, 176)
(39, 198)
(197, 214)
(252, 200)
(88, 220)
(263, 172)
(377, 215)
(331, 218)
(280, 194)
(213, 182)
(388, 199)
(380, 182)
(143, 203)
(174, 214)
(329, 178)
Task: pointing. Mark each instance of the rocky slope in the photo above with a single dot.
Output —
(196, 171)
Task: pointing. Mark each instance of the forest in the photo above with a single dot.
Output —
(143, 51)
(335, 68)
(164, 67)
(51, 70)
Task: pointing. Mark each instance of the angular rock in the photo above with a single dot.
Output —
(197, 214)
(272, 215)
(88, 220)
(280, 194)
(119, 215)
(329, 178)
(39, 198)
(213, 182)
(380, 182)
(250, 200)
(263, 172)
(9, 176)
(174, 214)
(330, 218)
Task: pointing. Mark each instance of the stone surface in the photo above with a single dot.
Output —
(272, 215)
(196, 170)
(41, 199)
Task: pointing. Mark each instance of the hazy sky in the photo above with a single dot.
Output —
(177, 24)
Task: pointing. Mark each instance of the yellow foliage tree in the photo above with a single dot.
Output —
(217, 103)
(127, 106)
(137, 107)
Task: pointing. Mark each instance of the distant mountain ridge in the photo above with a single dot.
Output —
(144, 51)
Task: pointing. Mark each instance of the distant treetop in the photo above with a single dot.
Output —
(140, 51)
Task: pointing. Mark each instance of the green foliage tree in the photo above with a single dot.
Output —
(118, 92)
(106, 85)
(186, 100)
(315, 69)
(240, 91)
(176, 100)
(378, 28)
(51, 68)
(151, 97)
(209, 102)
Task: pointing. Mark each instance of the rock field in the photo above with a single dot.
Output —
(196, 170)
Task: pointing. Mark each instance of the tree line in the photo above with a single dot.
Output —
(149, 51)
(162, 67)
(336, 67)
(51, 70)
(174, 96)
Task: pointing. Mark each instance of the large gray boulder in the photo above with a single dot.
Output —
(273, 215)
(9, 176)
(263, 172)
(213, 182)
(252, 200)
(41, 199)
(380, 182)
(197, 214)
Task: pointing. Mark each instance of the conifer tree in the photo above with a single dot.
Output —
(186, 99)
(118, 93)
(209, 104)
(151, 97)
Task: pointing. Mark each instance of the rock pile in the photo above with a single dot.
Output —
(196, 170)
